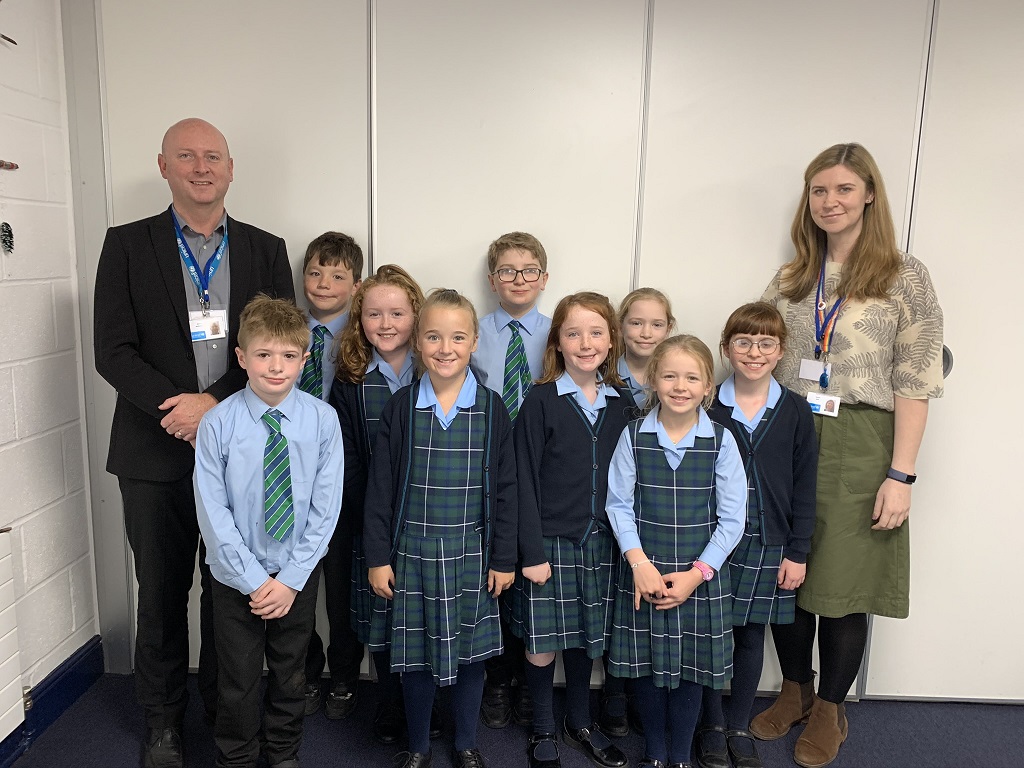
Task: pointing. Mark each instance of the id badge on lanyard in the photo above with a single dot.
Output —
(200, 277)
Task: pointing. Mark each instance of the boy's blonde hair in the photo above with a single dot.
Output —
(270, 319)
(649, 294)
(516, 241)
(554, 361)
(696, 349)
(354, 350)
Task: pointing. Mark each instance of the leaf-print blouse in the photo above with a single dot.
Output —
(880, 347)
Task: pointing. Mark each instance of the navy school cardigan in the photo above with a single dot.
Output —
(785, 461)
(383, 515)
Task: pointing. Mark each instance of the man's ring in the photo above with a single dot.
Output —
(178, 434)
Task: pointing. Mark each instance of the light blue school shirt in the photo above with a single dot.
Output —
(212, 357)
(727, 396)
(564, 385)
(488, 361)
(329, 362)
(730, 486)
(395, 381)
(427, 398)
(228, 485)
(639, 391)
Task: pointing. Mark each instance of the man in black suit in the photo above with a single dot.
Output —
(169, 292)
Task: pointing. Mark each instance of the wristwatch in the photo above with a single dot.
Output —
(902, 477)
(705, 570)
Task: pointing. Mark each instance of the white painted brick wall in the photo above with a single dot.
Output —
(41, 429)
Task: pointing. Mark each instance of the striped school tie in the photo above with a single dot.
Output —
(517, 371)
(278, 509)
(312, 380)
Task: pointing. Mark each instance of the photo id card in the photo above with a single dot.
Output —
(213, 325)
(812, 369)
(822, 404)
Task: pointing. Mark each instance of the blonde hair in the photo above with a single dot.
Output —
(554, 361)
(446, 298)
(874, 262)
(696, 349)
(353, 350)
(646, 294)
(273, 320)
(522, 241)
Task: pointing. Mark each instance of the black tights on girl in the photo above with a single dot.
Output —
(468, 691)
(747, 661)
(841, 644)
(666, 713)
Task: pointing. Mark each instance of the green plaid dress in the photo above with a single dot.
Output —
(374, 395)
(676, 516)
(442, 613)
(754, 565)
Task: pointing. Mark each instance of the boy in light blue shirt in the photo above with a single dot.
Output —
(508, 359)
(268, 483)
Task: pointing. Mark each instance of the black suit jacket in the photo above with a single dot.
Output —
(142, 341)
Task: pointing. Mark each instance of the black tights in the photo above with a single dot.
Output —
(841, 644)
(747, 661)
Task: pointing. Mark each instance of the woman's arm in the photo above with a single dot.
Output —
(892, 502)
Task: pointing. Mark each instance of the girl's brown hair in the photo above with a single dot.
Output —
(872, 265)
(755, 318)
(353, 350)
(696, 349)
(554, 362)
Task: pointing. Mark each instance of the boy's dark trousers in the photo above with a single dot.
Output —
(243, 640)
(344, 651)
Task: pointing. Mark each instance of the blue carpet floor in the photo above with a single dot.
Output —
(104, 729)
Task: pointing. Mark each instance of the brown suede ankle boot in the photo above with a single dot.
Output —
(826, 730)
(791, 707)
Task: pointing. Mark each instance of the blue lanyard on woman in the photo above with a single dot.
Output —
(824, 326)
(201, 277)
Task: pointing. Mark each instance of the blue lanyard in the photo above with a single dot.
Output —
(201, 277)
(824, 322)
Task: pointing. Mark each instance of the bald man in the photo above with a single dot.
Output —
(169, 292)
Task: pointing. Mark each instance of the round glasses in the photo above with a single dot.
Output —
(508, 275)
(767, 346)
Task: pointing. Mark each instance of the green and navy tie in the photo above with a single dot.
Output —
(312, 379)
(278, 507)
(517, 370)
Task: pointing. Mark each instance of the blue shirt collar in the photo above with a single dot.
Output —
(427, 398)
(257, 407)
(333, 327)
(402, 377)
(529, 321)
(625, 374)
(705, 428)
(564, 385)
(727, 397)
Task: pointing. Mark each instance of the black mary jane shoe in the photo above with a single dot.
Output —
(531, 751)
(412, 760)
(707, 755)
(582, 739)
(746, 758)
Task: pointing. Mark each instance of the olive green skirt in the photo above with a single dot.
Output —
(851, 568)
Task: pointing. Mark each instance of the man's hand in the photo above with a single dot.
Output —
(186, 410)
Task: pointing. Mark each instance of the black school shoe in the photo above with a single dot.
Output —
(163, 748)
(341, 701)
(536, 740)
(709, 754)
(614, 725)
(522, 710)
(745, 756)
(311, 696)
(582, 739)
(389, 722)
(496, 706)
(412, 760)
(468, 758)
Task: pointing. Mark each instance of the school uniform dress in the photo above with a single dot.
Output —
(779, 453)
(229, 495)
(881, 348)
(680, 502)
(359, 407)
(563, 447)
(441, 509)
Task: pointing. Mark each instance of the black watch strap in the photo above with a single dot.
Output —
(903, 477)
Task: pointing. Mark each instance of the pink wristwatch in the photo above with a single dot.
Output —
(706, 570)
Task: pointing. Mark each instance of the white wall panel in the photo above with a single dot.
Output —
(743, 95)
(962, 638)
(494, 117)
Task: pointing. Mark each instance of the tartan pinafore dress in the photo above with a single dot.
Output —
(442, 614)
(676, 516)
(573, 609)
(754, 565)
(374, 394)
